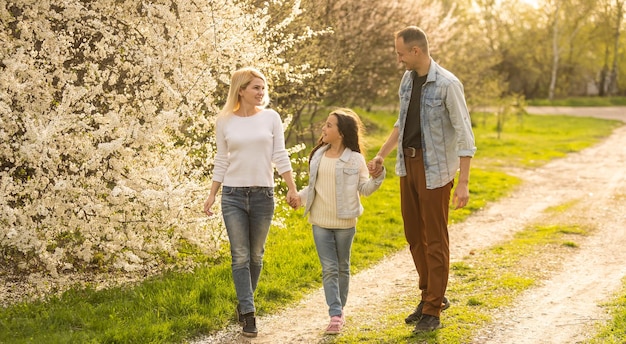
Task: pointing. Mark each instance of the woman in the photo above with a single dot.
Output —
(249, 139)
(338, 176)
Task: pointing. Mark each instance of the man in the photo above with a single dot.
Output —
(434, 137)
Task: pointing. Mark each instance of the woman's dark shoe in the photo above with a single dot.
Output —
(249, 325)
(238, 315)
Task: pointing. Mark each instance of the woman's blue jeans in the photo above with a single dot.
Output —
(333, 249)
(247, 213)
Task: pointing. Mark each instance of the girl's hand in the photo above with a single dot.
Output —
(294, 199)
(375, 166)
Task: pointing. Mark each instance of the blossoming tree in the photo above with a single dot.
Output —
(106, 117)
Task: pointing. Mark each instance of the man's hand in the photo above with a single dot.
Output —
(460, 197)
(375, 166)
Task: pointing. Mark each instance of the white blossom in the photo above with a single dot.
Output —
(106, 117)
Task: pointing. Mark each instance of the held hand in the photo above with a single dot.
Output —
(460, 197)
(208, 204)
(293, 199)
(375, 166)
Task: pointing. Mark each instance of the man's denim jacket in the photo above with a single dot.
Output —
(349, 183)
(446, 126)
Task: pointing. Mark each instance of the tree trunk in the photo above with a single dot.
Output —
(604, 74)
(555, 52)
(619, 7)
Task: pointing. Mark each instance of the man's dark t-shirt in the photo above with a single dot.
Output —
(412, 128)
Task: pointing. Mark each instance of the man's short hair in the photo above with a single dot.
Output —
(413, 35)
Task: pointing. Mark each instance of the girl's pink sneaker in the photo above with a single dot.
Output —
(336, 323)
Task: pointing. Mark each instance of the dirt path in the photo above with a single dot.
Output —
(567, 306)
(562, 305)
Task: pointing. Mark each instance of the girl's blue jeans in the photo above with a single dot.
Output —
(333, 248)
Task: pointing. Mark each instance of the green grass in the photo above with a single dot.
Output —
(580, 101)
(563, 207)
(531, 141)
(180, 305)
(614, 331)
(164, 309)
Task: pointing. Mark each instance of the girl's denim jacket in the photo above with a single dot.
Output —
(349, 183)
(446, 126)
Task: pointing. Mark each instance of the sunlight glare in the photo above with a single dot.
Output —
(533, 3)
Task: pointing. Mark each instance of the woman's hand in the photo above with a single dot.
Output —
(208, 204)
(293, 199)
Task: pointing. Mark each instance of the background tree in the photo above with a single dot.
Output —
(619, 20)
(107, 109)
(356, 50)
(612, 13)
(525, 42)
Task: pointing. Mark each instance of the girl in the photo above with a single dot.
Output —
(338, 175)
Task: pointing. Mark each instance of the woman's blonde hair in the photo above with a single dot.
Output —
(240, 79)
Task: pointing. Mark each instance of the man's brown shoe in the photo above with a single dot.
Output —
(427, 323)
(417, 314)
